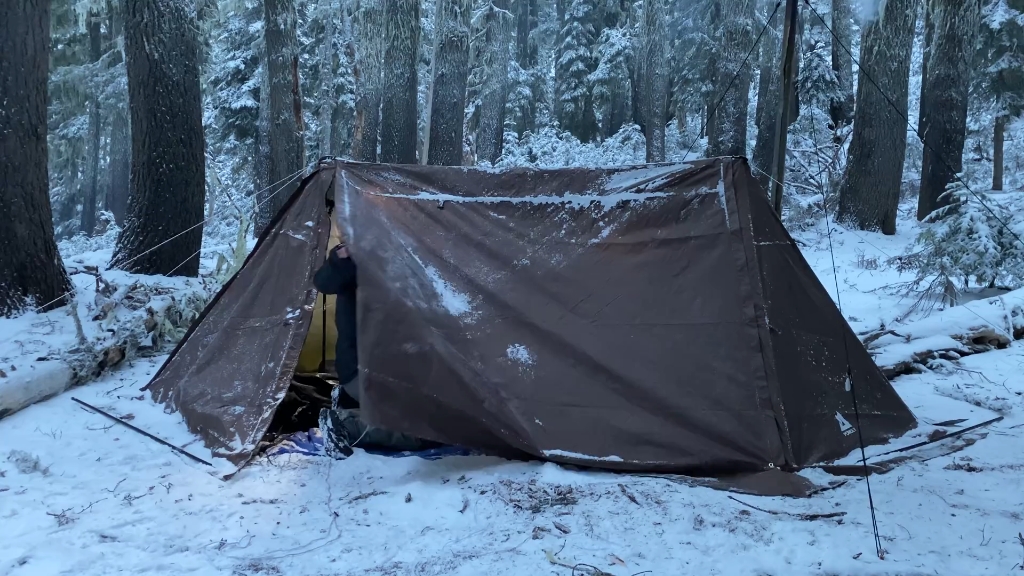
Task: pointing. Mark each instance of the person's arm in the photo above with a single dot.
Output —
(337, 274)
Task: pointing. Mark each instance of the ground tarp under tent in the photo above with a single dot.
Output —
(653, 318)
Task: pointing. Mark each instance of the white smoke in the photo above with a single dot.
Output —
(868, 10)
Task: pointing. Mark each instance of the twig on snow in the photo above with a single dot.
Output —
(801, 516)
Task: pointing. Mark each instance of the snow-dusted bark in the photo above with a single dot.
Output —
(727, 126)
(495, 27)
(88, 225)
(168, 165)
(398, 115)
(954, 29)
(652, 76)
(448, 87)
(998, 152)
(769, 90)
(328, 11)
(369, 49)
(870, 189)
(282, 137)
(119, 166)
(841, 108)
(31, 270)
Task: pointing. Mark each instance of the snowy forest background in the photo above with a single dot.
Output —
(176, 127)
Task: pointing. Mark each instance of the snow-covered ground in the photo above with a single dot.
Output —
(80, 495)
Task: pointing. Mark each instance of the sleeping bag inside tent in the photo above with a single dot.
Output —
(649, 318)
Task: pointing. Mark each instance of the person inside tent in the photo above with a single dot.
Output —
(342, 428)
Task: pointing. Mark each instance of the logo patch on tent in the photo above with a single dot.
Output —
(844, 426)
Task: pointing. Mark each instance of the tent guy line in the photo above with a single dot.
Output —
(286, 181)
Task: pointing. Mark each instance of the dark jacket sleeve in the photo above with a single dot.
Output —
(336, 275)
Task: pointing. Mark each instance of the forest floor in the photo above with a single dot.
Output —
(79, 495)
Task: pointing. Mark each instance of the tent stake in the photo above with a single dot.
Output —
(143, 432)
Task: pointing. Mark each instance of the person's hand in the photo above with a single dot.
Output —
(341, 251)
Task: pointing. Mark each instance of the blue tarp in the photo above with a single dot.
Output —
(311, 443)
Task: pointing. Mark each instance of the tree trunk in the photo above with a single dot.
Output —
(929, 30)
(652, 66)
(327, 72)
(870, 191)
(284, 146)
(998, 139)
(841, 107)
(727, 127)
(163, 233)
(119, 166)
(955, 31)
(369, 51)
(524, 25)
(398, 111)
(88, 222)
(31, 270)
(448, 90)
(769, 90)
(494, 90)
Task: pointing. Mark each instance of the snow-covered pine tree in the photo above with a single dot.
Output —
(613, 91)
(731, 21)
(652, 80)
(448, 86)
(283, 134)
(31, 270)
(870, 190)
(168, 165)
(573, 98)
(1000, 72)
(951, 50)
(967, 242)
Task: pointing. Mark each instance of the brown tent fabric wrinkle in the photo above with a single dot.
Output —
(648, 318)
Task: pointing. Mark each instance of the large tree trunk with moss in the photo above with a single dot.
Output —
(284, 148)
(870, 191)
(448, 89)
(31, 271)
(951, 51)
(398, 111)
(163, 232)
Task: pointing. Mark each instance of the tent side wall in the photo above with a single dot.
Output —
(810, 347)
(231, 370)
(526, 314)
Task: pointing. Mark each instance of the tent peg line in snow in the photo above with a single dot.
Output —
(181, 451)
(879, 551)
(941, 438)
(721, 97)
(888, 99)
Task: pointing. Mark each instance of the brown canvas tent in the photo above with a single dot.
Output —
(654, 318)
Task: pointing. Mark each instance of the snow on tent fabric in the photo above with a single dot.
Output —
(616, 318)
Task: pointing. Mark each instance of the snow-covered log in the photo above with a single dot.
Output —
(946, 336)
